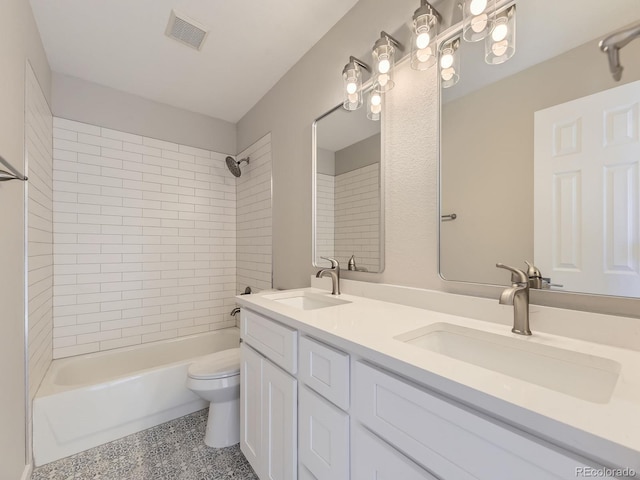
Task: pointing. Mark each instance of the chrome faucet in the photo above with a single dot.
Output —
(334, 272)
(518, 296)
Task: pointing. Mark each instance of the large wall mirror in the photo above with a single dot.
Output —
(540, 155)
(347, 205)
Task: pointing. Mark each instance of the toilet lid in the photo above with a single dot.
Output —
(217, 365)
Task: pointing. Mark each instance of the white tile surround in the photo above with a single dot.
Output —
(254, 218)
(325, 217)
(348, 217)
(38, 149)
(144, 239)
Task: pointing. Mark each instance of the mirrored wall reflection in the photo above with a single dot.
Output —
(540, 156)
(348, 195)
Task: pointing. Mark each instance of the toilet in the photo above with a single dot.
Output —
(216, 378)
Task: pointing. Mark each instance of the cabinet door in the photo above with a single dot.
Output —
(250, 405)
(324, 437)
(279, 424)
(373, 459)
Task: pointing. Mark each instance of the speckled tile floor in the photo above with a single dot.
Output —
(173, 451)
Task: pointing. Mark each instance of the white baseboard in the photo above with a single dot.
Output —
(26, 474)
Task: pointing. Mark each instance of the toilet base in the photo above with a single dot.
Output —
(223, 424)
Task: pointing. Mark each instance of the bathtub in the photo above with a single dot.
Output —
(92, 399)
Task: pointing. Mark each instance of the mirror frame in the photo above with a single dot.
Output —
(314, 206)
(582, 301)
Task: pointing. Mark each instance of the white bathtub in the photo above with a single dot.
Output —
(92, 399)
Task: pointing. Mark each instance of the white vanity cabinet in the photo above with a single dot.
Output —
(268, 397)
(322, 401)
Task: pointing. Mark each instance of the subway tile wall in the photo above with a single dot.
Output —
(254, 218)
(144, 239)
(325, 221)
(38, 149)
(357, 217)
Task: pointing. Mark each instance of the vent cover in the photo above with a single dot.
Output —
(186, 31)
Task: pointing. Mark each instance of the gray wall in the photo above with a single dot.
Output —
(410, 148)
(358, 155)
(21, 42)
(88, 102)
(326, 161)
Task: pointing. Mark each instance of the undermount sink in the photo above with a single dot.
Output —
(580, 375)
(305, 300)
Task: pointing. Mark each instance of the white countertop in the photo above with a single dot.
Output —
(607, 432)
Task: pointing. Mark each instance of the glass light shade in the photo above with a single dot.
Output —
(500, 45)
(383, 63)
(352, 79)
(477, 19)
(374, 105)
(423, 39)
(450, 64)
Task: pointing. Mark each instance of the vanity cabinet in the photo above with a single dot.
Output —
(350, 420)
(322, 401)
(268, 397)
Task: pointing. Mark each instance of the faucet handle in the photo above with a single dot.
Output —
(334, 263)
(517, 275)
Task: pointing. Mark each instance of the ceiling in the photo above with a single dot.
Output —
(122, 44)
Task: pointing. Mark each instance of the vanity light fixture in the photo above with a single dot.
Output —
(450, 63)
(500, 45)
(426, 20)
(477, 19)
(374, 105)
(352, 76)
(383, 61)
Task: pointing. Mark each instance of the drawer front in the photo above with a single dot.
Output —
(325, 370)
(323, 437)
(449, 440)
(275, 341)
(373, 459)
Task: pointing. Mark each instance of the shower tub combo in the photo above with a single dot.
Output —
(92, 399)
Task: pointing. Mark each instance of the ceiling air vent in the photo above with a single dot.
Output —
(186, 31)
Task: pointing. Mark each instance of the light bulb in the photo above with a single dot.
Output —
(479, 23)
(384, 65)
(476, 7)
(447, 74)
(376, 99)
(446, 60)
(383, 80)
(352, 88)
(499, 48)
(376, 108)
(423, 39)
(499, 32)
(423, 54)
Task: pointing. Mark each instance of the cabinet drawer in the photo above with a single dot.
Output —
(275, 341)
(449, 440)
(323, 437)
(325, 370)
(372, 459)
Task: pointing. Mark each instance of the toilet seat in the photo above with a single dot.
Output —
(216, 365)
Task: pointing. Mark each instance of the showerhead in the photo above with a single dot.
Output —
(234, 166)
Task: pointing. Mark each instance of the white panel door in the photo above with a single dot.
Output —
(251, 406)
(587, 203)
(324, 437)
(279, 424)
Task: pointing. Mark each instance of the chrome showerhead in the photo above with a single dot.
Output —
(234, 166)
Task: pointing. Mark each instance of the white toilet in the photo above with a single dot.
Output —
(216, 378)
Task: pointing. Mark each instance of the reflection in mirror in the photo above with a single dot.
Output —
(539, 156)
(347, 204)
